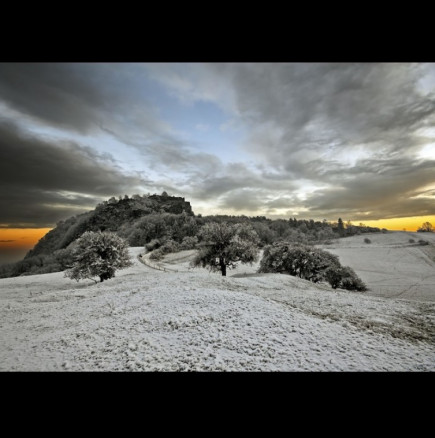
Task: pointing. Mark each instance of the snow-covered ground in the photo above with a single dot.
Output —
(150, 320)
(391, 265)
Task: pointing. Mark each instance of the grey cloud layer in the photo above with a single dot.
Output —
(41, 182)
(304, 123)
(306, 117)
(393, 187)
(55, 93)
(80, 97)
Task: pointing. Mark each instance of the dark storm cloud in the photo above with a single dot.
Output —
(33, 209)
(81, 97)
(59, 94)
(41, 182)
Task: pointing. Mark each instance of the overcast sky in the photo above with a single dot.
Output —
(318, 141)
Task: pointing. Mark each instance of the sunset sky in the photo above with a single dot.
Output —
(306, 140)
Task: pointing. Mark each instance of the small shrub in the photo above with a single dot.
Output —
(309, 263)
(168, 247)
(351, 281)
(189, 242)
(302, 261)
(333, 276)
(153, 244)
(157, 254)
(344, 277)
(64, 257)
(367, 240)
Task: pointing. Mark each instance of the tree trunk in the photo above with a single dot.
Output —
(223, 266)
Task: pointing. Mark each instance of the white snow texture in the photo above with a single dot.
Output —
(192, 320)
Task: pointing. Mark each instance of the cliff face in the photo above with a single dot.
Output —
(172, 204)
(110, 215)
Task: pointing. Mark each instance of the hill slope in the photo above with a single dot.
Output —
(108, 216)
(391, 265)
(145, 319)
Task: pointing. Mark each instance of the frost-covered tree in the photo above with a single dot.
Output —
(299, 260)
(344, 277)
(309, 263)
(98, 254)
(223, 245)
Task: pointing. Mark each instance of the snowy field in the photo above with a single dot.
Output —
(192, 320)
(390, 265)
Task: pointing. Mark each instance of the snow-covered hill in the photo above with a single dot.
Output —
(147, 320)
(393, 265)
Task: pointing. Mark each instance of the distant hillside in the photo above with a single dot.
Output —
(110, 215)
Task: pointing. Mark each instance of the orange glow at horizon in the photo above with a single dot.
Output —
(411, 223)
(21, 238)
(27, 238)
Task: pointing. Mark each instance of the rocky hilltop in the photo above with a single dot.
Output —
(172, 204)
(110, 215)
